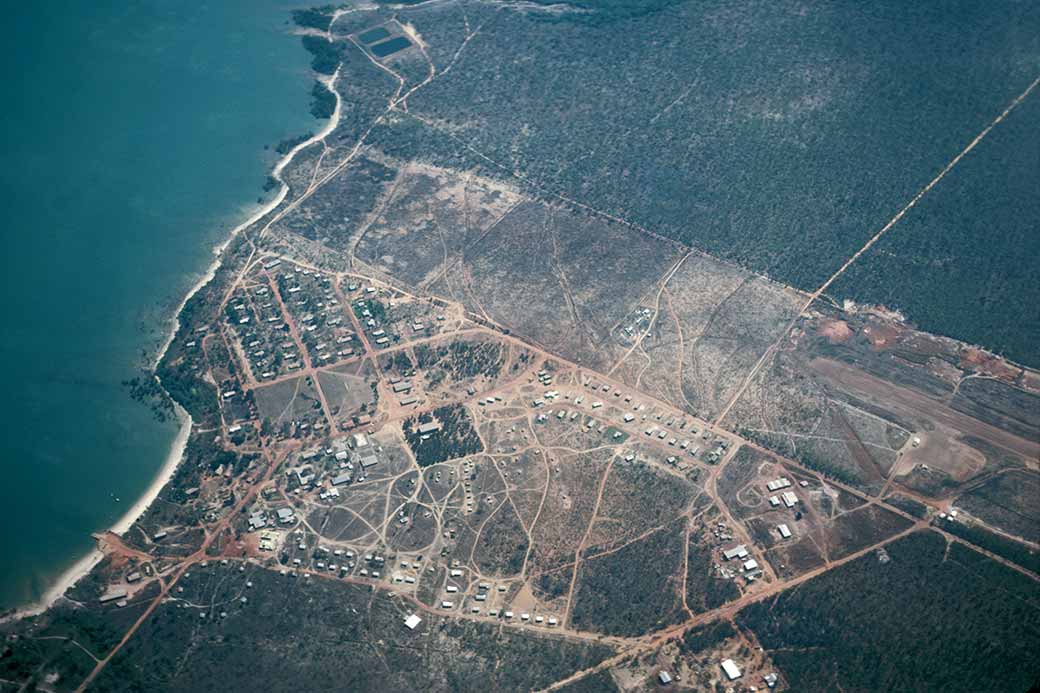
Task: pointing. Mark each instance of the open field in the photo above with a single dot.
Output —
(427, 220)
(694, 341)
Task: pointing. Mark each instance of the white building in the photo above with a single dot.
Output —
(731, 669)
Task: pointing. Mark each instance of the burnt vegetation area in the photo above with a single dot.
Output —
(456, 436)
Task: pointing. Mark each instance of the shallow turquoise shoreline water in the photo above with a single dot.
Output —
(133, 140)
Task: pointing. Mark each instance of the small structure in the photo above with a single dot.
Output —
(731, 670)
(268, 540)
(664, 677)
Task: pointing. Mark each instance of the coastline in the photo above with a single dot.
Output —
(85, 564)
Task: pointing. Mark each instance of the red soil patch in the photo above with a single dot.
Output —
(981, 362)
(881, 335)
(1031, 381)
(836, 331)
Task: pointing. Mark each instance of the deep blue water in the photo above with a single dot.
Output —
(133, 140)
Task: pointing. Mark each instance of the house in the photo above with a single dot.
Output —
(750, 564)
(785, 532)
(429, 427)
(403, 386)
(738, 551)
(285, 515)
(664, 677)
(342, 479)
(789, 499)
(257, 520)
(112, 595)
(731, 669)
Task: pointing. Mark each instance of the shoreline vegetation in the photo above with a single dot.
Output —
(152, 386)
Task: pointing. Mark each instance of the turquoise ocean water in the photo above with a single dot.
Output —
(133, 141)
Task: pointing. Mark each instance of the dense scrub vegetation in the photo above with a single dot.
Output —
(705, 589)
(633, 590)
(600, 682)
(287, 637)
(325, 55)
(323, 101)
(286, 145)
(314, 18)
(706, 637)
(931, 617)
(955, 264)
(461, 359)
(456, 436)
(908, 505)
(1014, 551)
